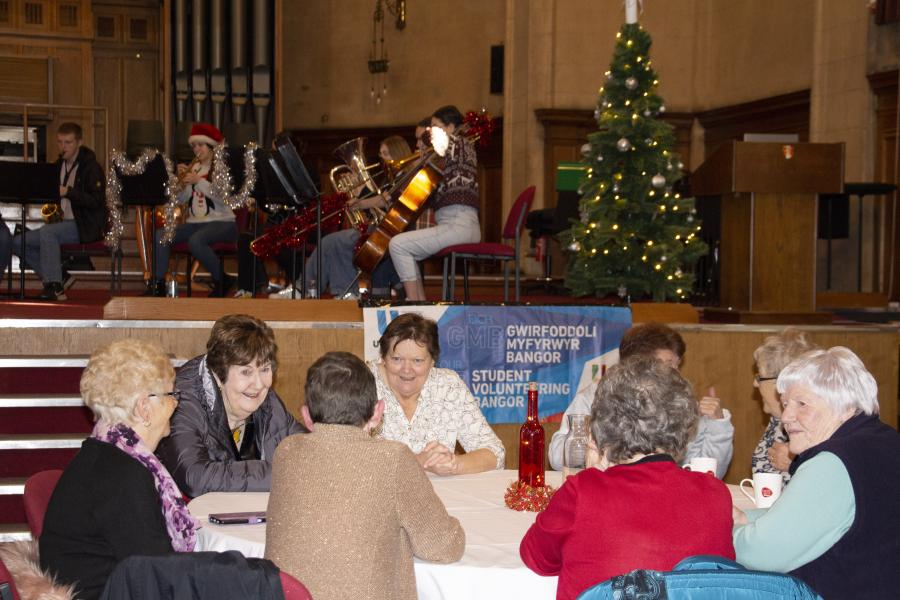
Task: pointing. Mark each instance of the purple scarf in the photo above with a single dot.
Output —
(180, 525)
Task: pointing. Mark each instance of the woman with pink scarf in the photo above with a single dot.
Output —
(115, 499)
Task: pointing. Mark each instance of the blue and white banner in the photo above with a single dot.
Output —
(498, 350)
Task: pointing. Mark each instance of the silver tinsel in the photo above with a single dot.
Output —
(118, 162)
(221, 184)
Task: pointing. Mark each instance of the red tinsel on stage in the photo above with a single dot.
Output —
(522, 497)
(480, 126)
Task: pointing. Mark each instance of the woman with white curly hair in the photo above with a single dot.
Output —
(115, 499)
(836, 525)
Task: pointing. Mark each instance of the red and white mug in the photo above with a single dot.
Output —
(766, 489)
(702, 464)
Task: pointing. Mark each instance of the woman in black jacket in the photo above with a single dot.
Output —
(229, 420)
(115, 499)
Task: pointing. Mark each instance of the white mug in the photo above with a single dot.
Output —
(766, 488)
(702, 464)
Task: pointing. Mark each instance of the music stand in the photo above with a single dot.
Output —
(303, 183)
(147, 189)
(27, 183)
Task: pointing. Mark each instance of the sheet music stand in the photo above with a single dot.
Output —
(296, 179)
(147, 190)
(27, 183)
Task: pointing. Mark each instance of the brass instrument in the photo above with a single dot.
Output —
(51, 213)
(357, 174)
(188, 169)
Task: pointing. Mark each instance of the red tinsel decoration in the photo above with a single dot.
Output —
(480, 126)
(295, 230)
(522, 497)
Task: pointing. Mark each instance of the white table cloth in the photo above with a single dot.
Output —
(489, 568)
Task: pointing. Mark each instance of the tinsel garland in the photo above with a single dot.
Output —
(119, 162)
(480, 126)
(221, 184)
(296, 229)
(522, 497)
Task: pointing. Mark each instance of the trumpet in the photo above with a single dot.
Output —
(51, 213)
(187, 170)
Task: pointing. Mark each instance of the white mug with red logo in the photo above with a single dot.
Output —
(702, 464)
(766, 489)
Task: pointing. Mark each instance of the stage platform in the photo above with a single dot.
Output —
(718, 355)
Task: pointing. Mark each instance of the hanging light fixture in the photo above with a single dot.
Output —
(378, 59)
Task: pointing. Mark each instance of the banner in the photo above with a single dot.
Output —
(498, 350)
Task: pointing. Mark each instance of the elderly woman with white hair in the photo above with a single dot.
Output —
(836, 526)
(115, 499)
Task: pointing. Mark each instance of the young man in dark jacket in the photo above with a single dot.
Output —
(83, 210)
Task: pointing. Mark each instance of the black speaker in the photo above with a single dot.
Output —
(497, 69)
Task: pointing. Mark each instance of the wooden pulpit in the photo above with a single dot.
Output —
(768, 195)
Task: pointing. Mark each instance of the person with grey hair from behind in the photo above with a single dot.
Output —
(638, 508)
(348, 511)
(836, 526)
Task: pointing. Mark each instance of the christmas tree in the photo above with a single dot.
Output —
(637, 235)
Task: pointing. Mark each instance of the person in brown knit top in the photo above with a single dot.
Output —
(347, 511)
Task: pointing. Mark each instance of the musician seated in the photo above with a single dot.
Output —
(455, 202)
(338, 248)
(209, 219)
(81, 216)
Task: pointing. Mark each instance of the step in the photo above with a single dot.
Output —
(40, 401)
(12, 486)
(15, 532)
(50, 362)
(48, 441)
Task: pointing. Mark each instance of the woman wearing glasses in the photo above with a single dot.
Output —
(229, 420)
(115, 499)
(776, 352)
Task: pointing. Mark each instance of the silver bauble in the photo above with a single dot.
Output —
(647, 113)
(662, 108)
(623, 145)
(689, 218)
(658, 181)
(585, 149)
(631, 83)
(596, 114)
(599, 158)
(615, 187)
(575, 246)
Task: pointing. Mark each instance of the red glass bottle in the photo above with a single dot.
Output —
(531, 443)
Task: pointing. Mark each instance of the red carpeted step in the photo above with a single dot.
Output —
(12, 509)
(58, 380)
(22, 463)
(69, 419)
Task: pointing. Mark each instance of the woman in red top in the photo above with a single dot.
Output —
(638, 509)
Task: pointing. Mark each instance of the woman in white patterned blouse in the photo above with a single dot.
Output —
(428, 408)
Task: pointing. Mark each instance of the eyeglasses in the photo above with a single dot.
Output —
(175, 394)
(759, 379)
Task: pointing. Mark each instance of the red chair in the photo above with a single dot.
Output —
(38, 489)
(8, 585)
(504, 253)
(222, 249)
(293, 589)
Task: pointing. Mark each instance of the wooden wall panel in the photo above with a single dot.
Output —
(887, 166)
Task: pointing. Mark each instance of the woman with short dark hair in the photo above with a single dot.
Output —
(230, 420)
(638, 508)
(428, 408)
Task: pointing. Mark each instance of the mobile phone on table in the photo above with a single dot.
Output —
(238, 518)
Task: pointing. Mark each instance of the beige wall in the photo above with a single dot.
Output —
(441, 57)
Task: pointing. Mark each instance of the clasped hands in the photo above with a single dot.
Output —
(438, 459)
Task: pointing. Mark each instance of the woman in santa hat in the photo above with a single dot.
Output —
(209, 219)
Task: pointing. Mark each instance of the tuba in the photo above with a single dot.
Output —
(353, 173)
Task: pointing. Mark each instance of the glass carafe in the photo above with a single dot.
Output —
(575, 448)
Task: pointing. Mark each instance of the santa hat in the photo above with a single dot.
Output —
(204, 133)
